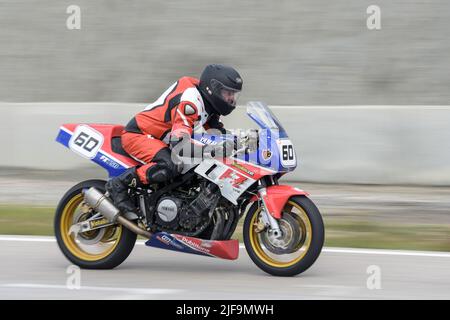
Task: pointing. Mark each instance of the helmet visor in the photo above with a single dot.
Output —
(227, 94)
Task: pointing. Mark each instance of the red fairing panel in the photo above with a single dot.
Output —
(225, 249)
(277, 196)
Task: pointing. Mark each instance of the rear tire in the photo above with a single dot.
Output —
(113, 256)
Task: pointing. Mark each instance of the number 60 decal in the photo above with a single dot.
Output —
(287, 153)
(86, 141)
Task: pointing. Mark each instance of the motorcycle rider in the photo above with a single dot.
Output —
(186, 105)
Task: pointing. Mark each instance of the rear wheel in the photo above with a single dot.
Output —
(296, 249)
(103, 248)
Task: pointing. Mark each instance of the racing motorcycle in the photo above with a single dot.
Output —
(283, 231)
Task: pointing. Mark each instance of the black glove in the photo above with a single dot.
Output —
(215, 123)
(224, 148)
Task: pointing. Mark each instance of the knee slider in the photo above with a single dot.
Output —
(171, 168)
(159, 173)
(164, 159)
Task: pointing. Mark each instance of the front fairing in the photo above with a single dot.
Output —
(275, 150)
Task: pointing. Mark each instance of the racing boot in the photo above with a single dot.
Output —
(118, 189)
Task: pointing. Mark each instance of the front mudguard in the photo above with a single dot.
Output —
(277, 196)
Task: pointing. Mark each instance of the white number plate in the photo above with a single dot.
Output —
(287, 153)
(86, 141)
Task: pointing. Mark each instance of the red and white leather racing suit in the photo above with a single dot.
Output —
(178, 111)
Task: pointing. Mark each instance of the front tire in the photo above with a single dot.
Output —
(301, 223)
(104, 248)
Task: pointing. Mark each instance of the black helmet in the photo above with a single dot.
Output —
(221, 86)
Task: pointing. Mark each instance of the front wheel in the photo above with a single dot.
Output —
(300, 243)
(103, 248)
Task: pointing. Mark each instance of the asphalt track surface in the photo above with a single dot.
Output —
(34, 268)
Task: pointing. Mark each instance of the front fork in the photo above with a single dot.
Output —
(267, 218)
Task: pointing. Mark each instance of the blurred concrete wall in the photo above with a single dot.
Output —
(290, 52)
(357, 144)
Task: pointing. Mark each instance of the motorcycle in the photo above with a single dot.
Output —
(283, 231)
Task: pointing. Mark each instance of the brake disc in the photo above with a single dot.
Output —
(290, 239)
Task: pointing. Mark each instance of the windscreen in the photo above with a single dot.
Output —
(265, 118)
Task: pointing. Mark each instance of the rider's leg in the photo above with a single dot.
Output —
(161, 169)
(118, 189)
(158, 168)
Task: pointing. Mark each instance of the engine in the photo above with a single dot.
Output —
(178, 211)
(168, 210)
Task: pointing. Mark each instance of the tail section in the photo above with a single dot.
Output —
(98, 142)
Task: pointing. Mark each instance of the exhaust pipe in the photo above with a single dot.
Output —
(100, 203)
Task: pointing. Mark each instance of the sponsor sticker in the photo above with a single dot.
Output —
(169, 241)
(195, 245)
(207, 141)
(242, 168)
(266, 154)
(109, 162)
(97, 223)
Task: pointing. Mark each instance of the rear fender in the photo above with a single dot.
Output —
(277, 196)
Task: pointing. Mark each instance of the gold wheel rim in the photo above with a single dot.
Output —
(70, 241)
(255, 240)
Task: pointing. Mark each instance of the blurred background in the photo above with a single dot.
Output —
(367, 110)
